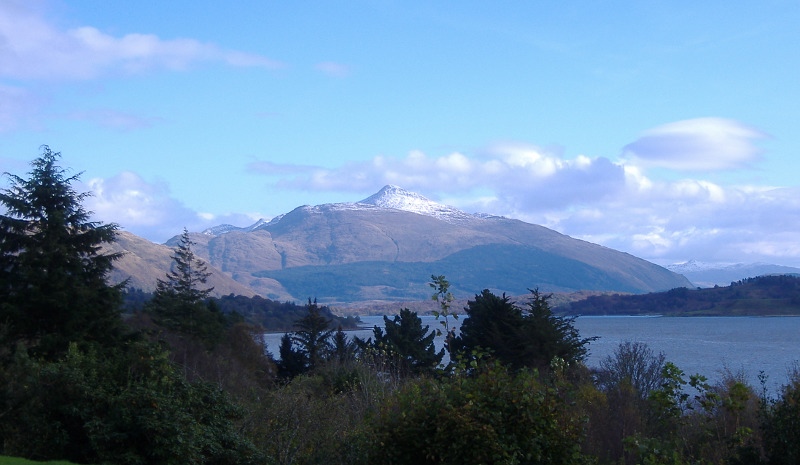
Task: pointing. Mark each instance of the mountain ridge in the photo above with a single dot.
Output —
(339, 242)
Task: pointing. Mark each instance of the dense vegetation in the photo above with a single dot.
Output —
(271, 315)
(181, 381)
(763, 295)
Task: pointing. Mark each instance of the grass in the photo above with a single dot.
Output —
(5, 460)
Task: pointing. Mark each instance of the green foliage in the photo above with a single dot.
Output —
(313, 335)
(180, 304)
(309, 346)
(782, 425)
(532, 337)
(277, 316)
(406, 345)
(5, 460)
(128, 406)
(444, 298)
(53, 287)
(493, 416)
(319, 417)
(292, 360)
(763, 295)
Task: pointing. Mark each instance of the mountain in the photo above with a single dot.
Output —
(703, 274)
(387, 246)
(143, 262)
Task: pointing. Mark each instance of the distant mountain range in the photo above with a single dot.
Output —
(387, 246)
(703, 274)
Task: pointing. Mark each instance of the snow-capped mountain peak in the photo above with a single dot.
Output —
(397, 198)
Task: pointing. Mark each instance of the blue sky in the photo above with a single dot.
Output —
(668, 130)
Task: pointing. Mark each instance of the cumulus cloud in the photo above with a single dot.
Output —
(593, 198)
(148, 208)
(520, 177)
(35, 49)
(701, 144)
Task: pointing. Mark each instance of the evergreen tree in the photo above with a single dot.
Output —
(53, 287)
(292, 361)
(519, 337)
(342, 348)
(179, 302)
(187, 275)
(408, 343)
(313, 335)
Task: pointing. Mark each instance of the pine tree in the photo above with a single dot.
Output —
(408, 343)
(188, 274)
(313, 335)
(179, 302)
(53, 287)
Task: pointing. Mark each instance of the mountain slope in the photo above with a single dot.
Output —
(388, 245)
(144, 262)
(714, 274)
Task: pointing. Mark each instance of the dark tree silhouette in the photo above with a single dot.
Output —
(313, 335)
(407, 343)
(179, 302)
(53, 287)
(519, 337)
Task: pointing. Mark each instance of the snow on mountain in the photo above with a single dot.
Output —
(226, 228)
(692, 266)
(389, 197)
(704, 274)
(397, 198)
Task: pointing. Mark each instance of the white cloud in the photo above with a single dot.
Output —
(148, 209)
(701, 144)
(35, 49)
(611, 203)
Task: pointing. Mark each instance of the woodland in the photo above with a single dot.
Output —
(180, 379)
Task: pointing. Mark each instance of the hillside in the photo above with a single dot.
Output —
(143, 262)
(387, 246)
(759, 296)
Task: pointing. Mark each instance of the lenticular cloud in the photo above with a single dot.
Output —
(700, 144)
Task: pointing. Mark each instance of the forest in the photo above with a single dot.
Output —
(758, 296)
(179, 380)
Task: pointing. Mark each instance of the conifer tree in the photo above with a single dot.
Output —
(53, 287)
(188, 274)
(179, 301)
(313, 335)
(408, 343)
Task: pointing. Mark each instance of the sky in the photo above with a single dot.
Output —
(669, 130)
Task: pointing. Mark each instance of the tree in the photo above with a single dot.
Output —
(444, 298)
(494, 415)
(407, 343)
(342, 348)
(53, 287)
(635, 363)
(531, 337)
(179, 302)
(313, 335)
(292, 360)
(188, 274)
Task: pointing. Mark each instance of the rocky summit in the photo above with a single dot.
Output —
(387, 246)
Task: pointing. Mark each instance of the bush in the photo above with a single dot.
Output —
(494, 416)
(126, 407)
